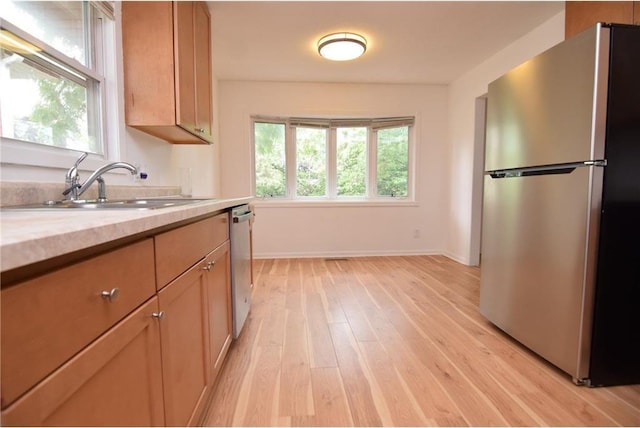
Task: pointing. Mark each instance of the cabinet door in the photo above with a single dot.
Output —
(185, 64)
(193, 67)
(580, 15)
(115, 381)
(203, 94)
(184, 331)
(219, 283)
(166, 53)
(147, 56)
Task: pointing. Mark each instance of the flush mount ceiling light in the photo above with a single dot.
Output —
(342, 46)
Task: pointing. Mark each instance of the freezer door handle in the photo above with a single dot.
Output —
(564, 168)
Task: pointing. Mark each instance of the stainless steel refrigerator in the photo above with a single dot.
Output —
(560, 268)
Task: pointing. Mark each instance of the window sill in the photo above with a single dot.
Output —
(332, 203)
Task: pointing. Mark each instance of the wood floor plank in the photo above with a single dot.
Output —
(259, 396)
(329, 398)
(403, 342)
(330, 300)
(226, 395)
(293, 284)
(295, 376)
(360, 326)
(403, 408)
(322, 353)
(360, 396)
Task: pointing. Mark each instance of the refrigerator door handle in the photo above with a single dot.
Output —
(563, 168)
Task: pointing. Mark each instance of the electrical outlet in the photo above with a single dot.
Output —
(416, 233)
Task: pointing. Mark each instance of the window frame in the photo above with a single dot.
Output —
(332, 198)
(103, 54)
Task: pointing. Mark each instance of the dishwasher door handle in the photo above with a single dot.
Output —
(243, 217)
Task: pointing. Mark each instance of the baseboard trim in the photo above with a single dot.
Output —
(454, 257)
(333, 254)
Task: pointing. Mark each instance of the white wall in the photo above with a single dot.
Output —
(462, 154)
(322, 230)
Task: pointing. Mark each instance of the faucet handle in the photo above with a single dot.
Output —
(80, 159)
(70, 189)
(72, 173)
(71, 178)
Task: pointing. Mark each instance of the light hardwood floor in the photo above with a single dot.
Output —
(394, 341)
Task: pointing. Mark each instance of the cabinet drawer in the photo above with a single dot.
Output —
(115, 381)
(48, 319)
(179, 249)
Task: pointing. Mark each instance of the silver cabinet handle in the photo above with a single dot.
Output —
(110, 295)
(209, 266)
(158, 315)
(200, 130)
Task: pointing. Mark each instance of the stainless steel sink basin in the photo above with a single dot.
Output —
(93, 204)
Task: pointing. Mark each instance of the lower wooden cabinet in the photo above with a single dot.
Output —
(185, 346)
(115, 381)
(46, 320)
(138, 356)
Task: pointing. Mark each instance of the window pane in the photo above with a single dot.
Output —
(351, 148)
(41, 105)
(270, 159)
(393, 161)
(311, 159)
(60, 24)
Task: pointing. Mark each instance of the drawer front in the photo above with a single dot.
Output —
(179, 249)
(48, 319)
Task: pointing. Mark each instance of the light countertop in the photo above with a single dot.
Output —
(32, 236)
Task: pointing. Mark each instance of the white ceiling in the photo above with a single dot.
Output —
(408, 42)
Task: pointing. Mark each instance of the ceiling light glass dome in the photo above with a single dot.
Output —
(342, 46)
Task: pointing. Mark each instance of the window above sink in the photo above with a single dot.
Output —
(58, 60)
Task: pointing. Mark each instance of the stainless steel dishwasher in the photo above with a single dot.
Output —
(240, 266)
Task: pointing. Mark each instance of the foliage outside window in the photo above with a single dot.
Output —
(51, 72)
(311, 162)
(332, 159)
(351, 164)
(270, 161)
(393, 157)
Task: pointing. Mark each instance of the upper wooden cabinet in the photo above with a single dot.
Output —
(580, 15)
(167, 70)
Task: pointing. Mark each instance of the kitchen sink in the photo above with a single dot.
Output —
(109, 204)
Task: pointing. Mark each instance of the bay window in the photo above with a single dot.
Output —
(333, 159)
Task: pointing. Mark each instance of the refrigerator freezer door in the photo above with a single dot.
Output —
(548, 110)
(537, 262)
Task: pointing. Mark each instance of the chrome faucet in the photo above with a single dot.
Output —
(75, 189)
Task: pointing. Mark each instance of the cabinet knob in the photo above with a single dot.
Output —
(111, 295)
(199, 130)
(158, 315)
(209, 266)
